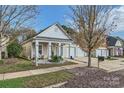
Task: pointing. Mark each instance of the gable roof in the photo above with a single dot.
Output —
(56, 24)
(59, 26)
(111, 41)
(122, 40)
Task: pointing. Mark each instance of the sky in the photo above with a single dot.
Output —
(49, 15)
(57, 13)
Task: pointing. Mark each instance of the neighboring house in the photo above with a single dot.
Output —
(24, 34)
(5, 41)
(51, 41)
(114, 47)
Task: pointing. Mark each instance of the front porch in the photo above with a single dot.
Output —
(41, 51)
(45, 50)
(116, 51)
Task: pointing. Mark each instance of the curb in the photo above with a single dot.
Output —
(56, 85)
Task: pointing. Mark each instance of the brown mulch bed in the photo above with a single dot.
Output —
(10, 60)
(94, 78)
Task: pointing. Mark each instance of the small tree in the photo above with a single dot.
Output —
(14, 49)
(92, 24)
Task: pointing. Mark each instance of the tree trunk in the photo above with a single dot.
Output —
(89, 59)
(0, 46)
(0, 54)
(98, 63)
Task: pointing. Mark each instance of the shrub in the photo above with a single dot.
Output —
(108, 57)
(56, 58)
(14, 49)
(60, 58)
(1, 62)
(100, 58)
(10, 60)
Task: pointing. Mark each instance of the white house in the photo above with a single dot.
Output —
(114, 47)
(3, 49)
(51, 41)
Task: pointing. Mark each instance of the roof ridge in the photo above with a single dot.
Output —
(57, 24)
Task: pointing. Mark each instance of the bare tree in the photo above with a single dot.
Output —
(92, 25)
(24, 34)
(14, 17)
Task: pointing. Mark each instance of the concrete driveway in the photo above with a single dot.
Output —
(109, 65)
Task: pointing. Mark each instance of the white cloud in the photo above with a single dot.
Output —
(118, 13)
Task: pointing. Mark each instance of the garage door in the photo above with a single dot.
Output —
(80, 53)
(101, 52)
(72, 52)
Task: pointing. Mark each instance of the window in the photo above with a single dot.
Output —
(40, 49)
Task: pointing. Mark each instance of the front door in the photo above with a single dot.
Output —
(40, 50)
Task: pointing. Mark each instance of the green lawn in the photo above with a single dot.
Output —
(122, 61)
(37, 81)
(23, 65)
(110, 59)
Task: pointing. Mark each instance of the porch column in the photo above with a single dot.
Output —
(49, 50)
(59, 49)
(6, 54)
(69, 51)
(32, 56)
(113, 51)
(75, 51)
(36, 52)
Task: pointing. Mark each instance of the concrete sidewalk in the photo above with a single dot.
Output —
(108, 65)
(111, 66)
(37, 71)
